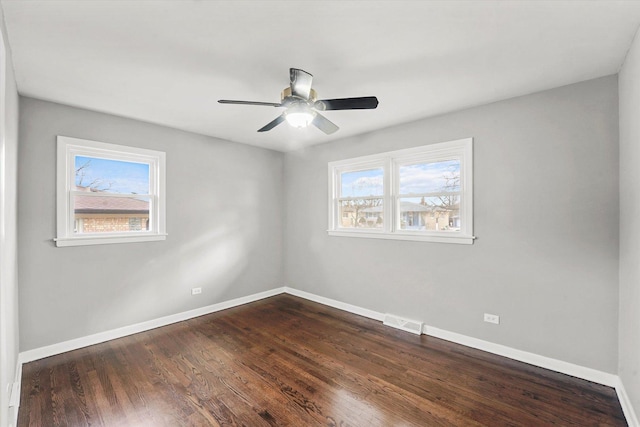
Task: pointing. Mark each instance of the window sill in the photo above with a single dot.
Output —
(106, 240)
(457, 239)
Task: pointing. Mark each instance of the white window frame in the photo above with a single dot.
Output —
(391, 162)
(68, 148)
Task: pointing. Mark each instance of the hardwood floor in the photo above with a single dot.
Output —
(288, 361)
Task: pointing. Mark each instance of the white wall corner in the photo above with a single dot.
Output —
(627, 407)
(14, 399)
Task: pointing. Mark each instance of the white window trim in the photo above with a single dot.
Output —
(390, 162)
(68, 148)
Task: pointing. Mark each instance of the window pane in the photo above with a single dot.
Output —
(440, 213)
(109, 214)
(435, 177)
(361, 213)
(363, 183)
(111, 176)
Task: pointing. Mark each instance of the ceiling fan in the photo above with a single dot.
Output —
(302, 105)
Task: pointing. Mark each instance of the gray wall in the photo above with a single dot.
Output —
(546, 218)
(9, 331)
(224, 220)
(629, 339)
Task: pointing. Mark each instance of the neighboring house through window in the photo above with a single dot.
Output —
(108, 193)
(423, 193)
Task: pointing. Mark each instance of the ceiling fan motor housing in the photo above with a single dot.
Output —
(287, 96)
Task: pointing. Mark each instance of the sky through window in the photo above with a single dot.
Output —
(362, 183)
(432, 177)
(112, 176)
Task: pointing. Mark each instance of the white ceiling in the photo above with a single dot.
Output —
(168, 62)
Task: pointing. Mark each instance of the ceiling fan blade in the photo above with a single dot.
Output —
(300, 83)
(362, 103)
(275, 122)
(324, 124)
(266, 104)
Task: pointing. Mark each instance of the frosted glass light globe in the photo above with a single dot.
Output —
(299, 117)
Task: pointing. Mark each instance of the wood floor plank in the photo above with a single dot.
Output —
(387, 370)
(285, 361)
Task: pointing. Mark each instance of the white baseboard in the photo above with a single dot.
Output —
(589, 374)
(627, 408)
(14, 399)
(578, 371)
(336, 304)
(556, 365)
(531, 358)
(74, 344)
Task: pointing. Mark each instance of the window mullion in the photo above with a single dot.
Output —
(337, 180)
(104, 194)
(346, 199)
(389, 204)
(414, 195)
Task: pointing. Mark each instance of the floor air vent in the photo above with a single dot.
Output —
(404, 324)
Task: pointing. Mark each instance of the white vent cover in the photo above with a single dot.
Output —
(405, 324)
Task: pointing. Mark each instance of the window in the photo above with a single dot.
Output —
(108, 193)
(422, 193)
(360, 199)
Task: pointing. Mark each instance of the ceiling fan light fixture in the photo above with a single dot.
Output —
(299, 117)
(302, 104)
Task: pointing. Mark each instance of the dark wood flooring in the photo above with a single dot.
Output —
(287, 361)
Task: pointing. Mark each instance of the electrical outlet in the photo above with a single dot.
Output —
(196, 291)
(492, 318)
